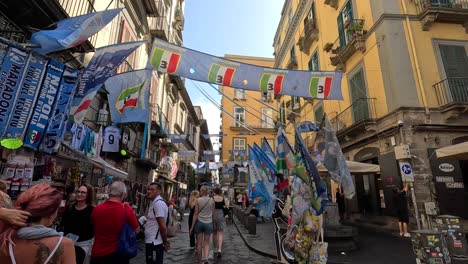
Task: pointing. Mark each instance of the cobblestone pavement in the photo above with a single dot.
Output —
(234, 249)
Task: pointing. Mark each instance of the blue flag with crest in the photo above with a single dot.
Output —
(72, 31)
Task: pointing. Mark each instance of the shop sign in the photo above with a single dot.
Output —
(446, 167)
(454, 185)
(444, 179)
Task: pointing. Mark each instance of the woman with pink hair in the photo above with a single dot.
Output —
(37, 243)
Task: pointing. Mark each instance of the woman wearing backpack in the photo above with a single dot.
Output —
(202, 224)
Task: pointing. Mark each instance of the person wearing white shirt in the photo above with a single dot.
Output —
(155, 226)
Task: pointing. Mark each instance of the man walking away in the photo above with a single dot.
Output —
(155, 227)
(108, 219)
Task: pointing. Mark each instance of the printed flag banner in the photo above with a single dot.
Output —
(320, 87)
(271, 83)
(72, 31)
(169, 58)
(128, 96)
(307, 126)
(103, 65)
(165, 61)
(221, 75)
(28, 93)
(58, 120)
(44, 105)
(268, 151)
(284, 153)
(11, 74)
(260, 194)
(328, 151)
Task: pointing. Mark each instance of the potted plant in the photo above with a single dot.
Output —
(328, 46)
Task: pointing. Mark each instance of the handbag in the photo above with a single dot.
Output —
(127, 245)
(319, 251)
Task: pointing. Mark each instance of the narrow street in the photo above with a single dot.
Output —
(234, 250)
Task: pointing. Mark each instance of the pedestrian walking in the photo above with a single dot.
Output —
(402, 210)
(202, 224)
(193, 200)
(340, 200)
(182, 203)
(240, 198)
(108, 220)
(76, 223)
(219, 221)
(37, 242)
(155, 226)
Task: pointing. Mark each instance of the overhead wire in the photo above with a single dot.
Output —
(213, 101)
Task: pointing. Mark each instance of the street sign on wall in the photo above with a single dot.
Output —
(406, 171)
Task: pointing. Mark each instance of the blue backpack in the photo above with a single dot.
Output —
(127, 246)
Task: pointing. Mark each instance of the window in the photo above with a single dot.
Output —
(344, 19)
(453, 64)
(239, 144)
(239, 115)
(292, 53)
(314, 63)
(239, 94)
(267, 117)
(311, 15)
(267, 96)
(358, 95)
(283, 114)
(295, 103)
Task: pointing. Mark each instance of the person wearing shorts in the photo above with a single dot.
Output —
(202, 223)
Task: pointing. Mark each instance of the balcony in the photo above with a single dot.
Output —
(11, 31)
(150, 159)
(355, 118)
(159, 27)
(332, 3)
(160, 128)
(310, 35)
(155, 8)
(261, 126)
(179, 14)
(350, 41)
(444, 11)
(451, 91)
(292, 63)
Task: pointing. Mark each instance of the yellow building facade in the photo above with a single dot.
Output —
(247, 117)
(405, 82)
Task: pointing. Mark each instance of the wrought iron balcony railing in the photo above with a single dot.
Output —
(452, 90)
(423, 5)
(351, 39)
(363, 109)
(310, 35)
(162, 130)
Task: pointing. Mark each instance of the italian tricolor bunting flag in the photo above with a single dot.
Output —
(319, 87)
(221, 74)
(165, 60)
(128, 97)
(271, 82)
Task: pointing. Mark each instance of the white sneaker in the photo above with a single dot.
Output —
(401, 234)
(407, 235)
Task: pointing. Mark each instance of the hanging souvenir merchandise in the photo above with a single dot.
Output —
(18, 174)
(111, 139)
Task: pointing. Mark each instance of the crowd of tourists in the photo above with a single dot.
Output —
(41, 227)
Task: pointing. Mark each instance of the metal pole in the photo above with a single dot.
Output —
(416, 214)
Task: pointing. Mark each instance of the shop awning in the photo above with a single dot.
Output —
(457, 151)
(356, 167)
(100, 163)
(108, 168)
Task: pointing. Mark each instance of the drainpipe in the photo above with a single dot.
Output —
(420, 86)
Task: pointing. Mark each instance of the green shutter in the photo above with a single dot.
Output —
(318, 113)
(358, 90)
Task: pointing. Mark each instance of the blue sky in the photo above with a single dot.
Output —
(218, 27)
